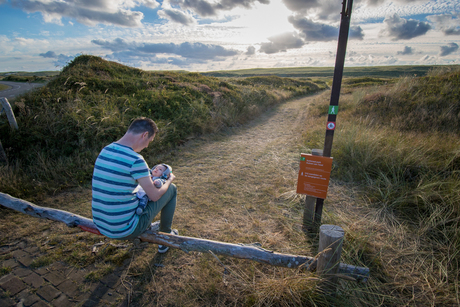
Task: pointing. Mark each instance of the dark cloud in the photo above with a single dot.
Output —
(400, 28)
(313, 31)
(450, 48)
(407, 50)
(282, 42)
(176, 16)
(49, 54)
(137, 59)
(203, 51)
(208, 8)
(324, 9)
(191, 51)
(63, 60)
(251, 50)
(117, 44)
(448, 24)
(317, 32)
(84, 11)
(300, 5)
(374, 3)
(321, 9)
(60, 60)
(356, 32)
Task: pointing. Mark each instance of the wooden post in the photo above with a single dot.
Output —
(310, 201)
(9, 113)
(330, 249)
(3, 158)
(12, 120)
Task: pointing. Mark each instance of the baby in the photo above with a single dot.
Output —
(159, 174)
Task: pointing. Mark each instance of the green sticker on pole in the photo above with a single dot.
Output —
(333, 110)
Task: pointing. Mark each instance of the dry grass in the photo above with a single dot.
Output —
(238, 187)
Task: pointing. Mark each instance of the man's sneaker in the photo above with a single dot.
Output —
(163, 248)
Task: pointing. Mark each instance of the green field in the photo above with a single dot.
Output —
(293, 72)
(328, 72)
(24, 76)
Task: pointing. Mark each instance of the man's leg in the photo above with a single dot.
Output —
(167, 205)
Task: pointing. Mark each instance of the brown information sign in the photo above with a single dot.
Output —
(314, 174)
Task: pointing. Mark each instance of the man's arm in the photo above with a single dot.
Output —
(153, 192)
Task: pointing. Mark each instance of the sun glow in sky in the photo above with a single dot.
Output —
(226, 34)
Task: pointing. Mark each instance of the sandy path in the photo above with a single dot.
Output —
(233, 183)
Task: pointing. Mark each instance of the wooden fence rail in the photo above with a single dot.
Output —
(187, 244)
(6, 107)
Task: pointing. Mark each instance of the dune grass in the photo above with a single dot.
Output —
(65, 124)
(400, 144)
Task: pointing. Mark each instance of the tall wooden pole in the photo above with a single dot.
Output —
(335, 92)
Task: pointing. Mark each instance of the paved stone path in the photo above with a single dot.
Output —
(54, 285)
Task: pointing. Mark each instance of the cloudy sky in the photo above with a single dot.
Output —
(207, 35)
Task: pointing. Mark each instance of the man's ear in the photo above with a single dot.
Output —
(145, 134)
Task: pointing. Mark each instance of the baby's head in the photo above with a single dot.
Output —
(158, 170)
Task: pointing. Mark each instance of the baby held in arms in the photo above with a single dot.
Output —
(159, 173)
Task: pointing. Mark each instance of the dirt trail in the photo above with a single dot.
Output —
(230, 189)
(233, 183)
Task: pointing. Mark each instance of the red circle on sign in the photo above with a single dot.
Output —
(330, 126)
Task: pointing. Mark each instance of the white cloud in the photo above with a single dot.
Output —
(449, 24)
(427, 60)
(24, 41)
(231, 33)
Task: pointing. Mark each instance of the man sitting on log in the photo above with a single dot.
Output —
(118, 170)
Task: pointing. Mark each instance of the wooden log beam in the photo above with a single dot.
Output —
(9, 113)
(186, 244)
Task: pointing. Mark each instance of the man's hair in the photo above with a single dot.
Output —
(143, 124)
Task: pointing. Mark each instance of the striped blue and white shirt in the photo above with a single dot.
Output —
(114, 180)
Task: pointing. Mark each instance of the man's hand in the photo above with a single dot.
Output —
(153, 192)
